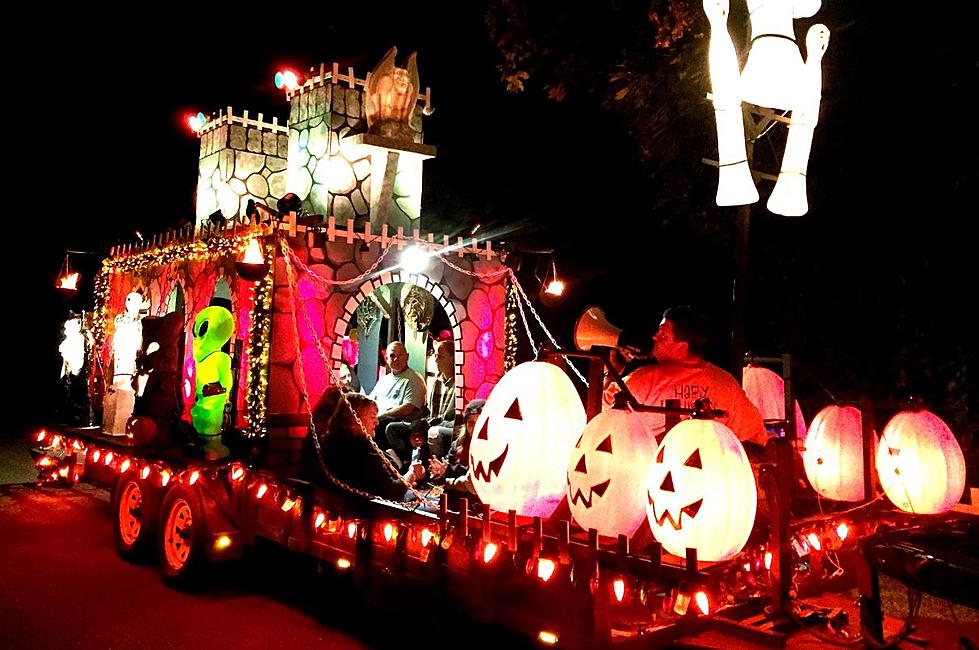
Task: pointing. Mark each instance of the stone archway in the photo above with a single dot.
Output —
(419, 280)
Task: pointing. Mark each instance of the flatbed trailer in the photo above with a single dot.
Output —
(547, 580)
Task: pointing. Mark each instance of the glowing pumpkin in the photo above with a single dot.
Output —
(700, 491)
(607, 473)
(766, 390)
(522, 440)
(834, 453)
(920, 463)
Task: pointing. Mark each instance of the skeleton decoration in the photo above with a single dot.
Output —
(701, 492)
(522, 439)
(607, 472)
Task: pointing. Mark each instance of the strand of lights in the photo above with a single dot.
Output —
(510, 328)
(258, 349)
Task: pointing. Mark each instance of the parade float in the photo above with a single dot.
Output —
(210, 345)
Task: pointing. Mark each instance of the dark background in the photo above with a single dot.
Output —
(871, 291)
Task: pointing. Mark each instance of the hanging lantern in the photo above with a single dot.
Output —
(920, 463)
(252, 265)
(700, 491)
(834, 453)
(522, 440)
(607, 472)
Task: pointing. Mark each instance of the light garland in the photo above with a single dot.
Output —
(258, 348)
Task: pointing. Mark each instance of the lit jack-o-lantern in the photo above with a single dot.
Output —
(834, 453)
(920, 463)
(700, 491)
(522, 440)
(607, 473)
(766, 390)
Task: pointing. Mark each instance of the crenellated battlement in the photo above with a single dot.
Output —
(333, 76)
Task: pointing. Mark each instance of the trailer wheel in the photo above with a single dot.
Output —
(134, 508)
(181, 536)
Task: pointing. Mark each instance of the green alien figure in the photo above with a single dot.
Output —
(213, 328)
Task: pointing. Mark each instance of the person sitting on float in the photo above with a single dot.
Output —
(681, 373)
(400, 397)
(452, 470)
(345, 440)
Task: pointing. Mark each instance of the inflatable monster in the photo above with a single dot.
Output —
(213, 329)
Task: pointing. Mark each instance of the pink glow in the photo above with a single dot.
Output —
(315, 311)
(484, 345)
(350, 351)
(474, 370)
(484, 391)
(317, 376)
(479, 309)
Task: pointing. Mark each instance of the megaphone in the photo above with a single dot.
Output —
(592, 329)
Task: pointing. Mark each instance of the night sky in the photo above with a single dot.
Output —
(870, 290)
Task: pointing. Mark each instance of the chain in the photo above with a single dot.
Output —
(488, 274)
(327, 282)
(533, 311)
(312, 426)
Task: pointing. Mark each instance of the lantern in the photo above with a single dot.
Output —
(920, 463)
(834, 453)
(607, 472)
(700, 491)
(766, 390)
(522, 440)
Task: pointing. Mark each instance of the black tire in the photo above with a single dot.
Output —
(135, 512)
(181, 536)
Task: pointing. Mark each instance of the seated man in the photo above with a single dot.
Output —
(400, 396)
(441, 400)
(681, 373)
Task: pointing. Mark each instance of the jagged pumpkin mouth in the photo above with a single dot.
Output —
(594, 491)
(486, 473)
(690, 511)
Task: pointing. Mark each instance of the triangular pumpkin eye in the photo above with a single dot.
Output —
(694, 460)
(514, 412)
(659, 456)
(606, 445)
(893, 452)
(578, 444)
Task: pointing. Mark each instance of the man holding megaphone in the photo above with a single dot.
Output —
(679, 373)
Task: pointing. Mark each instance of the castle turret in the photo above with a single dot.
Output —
(240, 159)
(356, 145)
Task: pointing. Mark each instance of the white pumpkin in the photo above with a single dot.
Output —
(766, 390)
(920, 463)
(607, 473)
(833, 458)
(700, 491)
(520, 446)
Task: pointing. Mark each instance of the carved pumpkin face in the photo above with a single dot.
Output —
(607, 473)
(834, 453)
(920, 463)
(700, 491)
(522, 439)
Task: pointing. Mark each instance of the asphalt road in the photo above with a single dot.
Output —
(62, 585)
